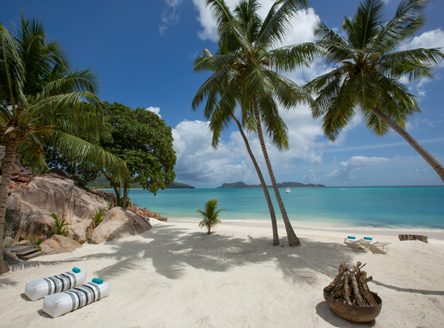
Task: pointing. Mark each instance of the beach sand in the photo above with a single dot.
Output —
(177, 276)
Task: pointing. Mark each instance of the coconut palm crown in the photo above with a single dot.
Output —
(367, 67)
(41, 97)
(246, 75)
(210, 215)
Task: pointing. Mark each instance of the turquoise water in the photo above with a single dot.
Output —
(348, 206)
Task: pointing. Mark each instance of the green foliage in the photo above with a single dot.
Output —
(245, 70)
(210, 215)
(367, 68)
(98, 218)
(37, 241)
(8, 244)
(123, 204)
(59, 225)
(110, 206)
(138, 137)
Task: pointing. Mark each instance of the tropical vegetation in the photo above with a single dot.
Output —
(40, 96)
(246, 75)
(367, 67)
(138, 137)
(210, 215)
(59, 225)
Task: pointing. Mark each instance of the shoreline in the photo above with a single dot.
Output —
(171, 275)
(393, 231)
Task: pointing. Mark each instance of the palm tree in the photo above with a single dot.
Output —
(217, 125)
(41, 97)
(210, 215)
(247, 74)
(367, 72)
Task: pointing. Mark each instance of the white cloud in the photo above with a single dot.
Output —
(344, 172)
(429, 39)
(170, 15)
(310, 177)
(198, 162)
(155, 110)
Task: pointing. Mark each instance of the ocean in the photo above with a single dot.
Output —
(377, 207)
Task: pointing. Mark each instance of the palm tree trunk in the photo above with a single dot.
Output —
(4, 188)
(292, 238)
(264, 186)
(113, 184)
(415, 144)
(125, 193)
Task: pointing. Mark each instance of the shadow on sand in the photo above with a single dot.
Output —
(324, 311)
(410, 290)
(171, 248)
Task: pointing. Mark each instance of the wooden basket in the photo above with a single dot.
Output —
(352, 312)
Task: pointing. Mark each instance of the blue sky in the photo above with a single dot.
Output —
(143, 53)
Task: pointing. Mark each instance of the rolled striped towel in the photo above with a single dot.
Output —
(75, 298)
(39, 288)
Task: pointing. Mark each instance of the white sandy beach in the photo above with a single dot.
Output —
(177, 276)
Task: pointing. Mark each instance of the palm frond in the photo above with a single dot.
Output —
(78, 149)
(408, 19)
(290, 57)
(415, 63)
(277, 22)
(336, 46)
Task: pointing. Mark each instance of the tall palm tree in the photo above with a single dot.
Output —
(247, 75)
(367, 69)
(41, 97)
(218, 124)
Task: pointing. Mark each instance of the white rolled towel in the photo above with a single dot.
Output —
(39, 288)
(57, 304)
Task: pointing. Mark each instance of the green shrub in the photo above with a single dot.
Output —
(210, 215)
(98, 218)
(59, 226)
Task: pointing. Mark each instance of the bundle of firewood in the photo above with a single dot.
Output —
(350, 286)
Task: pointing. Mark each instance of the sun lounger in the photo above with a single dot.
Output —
(39, 288)
(379, 244)
(57, 304)
(357, 243)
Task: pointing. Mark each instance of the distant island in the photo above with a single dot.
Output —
(102, 183)
(240, 184)
(178, 185)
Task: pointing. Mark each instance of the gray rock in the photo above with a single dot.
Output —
(29, 207)
(59, 244)
(119, 223)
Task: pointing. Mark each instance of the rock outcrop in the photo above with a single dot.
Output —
(119, 223)
(59, 244)
(29, 208)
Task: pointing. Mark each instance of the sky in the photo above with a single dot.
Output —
(143, 53)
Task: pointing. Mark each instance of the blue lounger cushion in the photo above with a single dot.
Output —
(351, 237)
(57, 304)
(39, 288)
(368, 238)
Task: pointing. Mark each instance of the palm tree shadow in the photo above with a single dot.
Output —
(7, 282)
(410, 290)
(171, 249)
(324, 311)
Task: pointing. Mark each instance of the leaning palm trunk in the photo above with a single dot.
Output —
(415, 144)
(264, 186)
(4, 187)
(292, 238)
